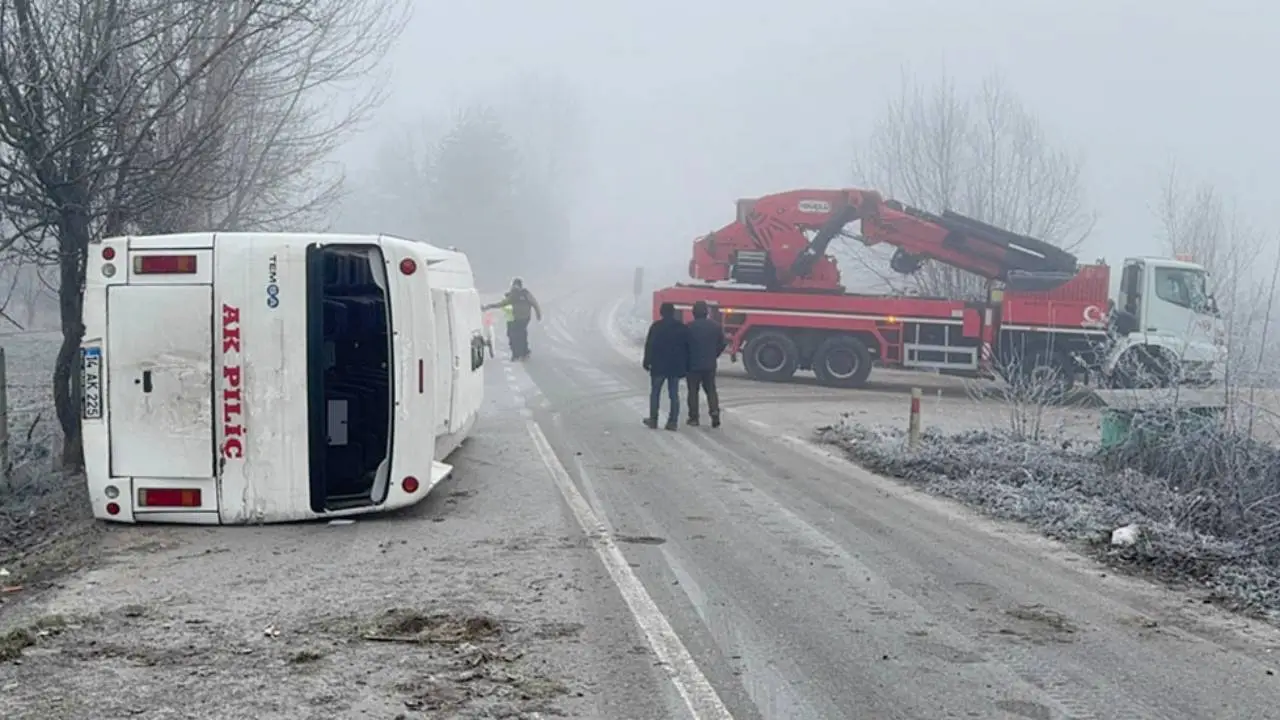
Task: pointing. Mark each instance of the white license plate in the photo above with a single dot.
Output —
(91, 376)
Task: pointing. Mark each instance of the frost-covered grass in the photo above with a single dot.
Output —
(43, 513)
(29, 359)
(1205, 518)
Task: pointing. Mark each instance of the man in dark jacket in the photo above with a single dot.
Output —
(519, 304)
(666, 358)
(706, 342)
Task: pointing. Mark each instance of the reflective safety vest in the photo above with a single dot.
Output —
(509, 313)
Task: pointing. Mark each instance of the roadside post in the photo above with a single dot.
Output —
(637, 285)
(913, 423)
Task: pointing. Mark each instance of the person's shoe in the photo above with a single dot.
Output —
(671, 425)
(715, 421)
(650, 423)
(692, 422)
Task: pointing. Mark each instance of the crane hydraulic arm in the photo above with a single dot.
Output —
(769, 243)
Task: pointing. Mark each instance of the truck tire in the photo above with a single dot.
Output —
(771, 356)
(842, 361)
(1144, 368)
(1053, 374)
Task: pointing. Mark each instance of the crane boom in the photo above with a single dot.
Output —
(769, 243)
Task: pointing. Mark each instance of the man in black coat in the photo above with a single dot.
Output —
(519, 304)
(666, 358)
(707, 342)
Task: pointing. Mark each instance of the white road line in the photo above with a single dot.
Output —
(699, 696)
(812, 449)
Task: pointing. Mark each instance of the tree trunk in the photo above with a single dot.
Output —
(74, 246)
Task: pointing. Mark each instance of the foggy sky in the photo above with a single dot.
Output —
(688, 109)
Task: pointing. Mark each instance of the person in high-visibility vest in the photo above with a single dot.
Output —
(518, 305)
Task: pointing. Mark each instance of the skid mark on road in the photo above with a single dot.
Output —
(699, 696)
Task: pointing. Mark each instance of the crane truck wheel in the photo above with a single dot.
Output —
(1052, 375)
(1144, 368)
(842, 361)
(771, 356)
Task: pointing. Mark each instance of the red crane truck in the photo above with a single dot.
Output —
(778, 294)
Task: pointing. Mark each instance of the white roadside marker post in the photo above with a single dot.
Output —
(913, 423)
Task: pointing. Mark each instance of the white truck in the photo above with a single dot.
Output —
(1165, 326)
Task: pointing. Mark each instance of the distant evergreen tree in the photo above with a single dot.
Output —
(472, 197)
(497, 184)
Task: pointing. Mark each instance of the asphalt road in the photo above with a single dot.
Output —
(802, 587)
(629, 574)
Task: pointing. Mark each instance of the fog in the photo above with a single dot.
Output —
(683, 110)
(637, 125)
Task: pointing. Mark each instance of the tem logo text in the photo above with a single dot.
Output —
(273, 286)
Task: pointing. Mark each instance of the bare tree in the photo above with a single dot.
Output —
(1198, 222)
(983, 155)
(24, 297)
(10, 279)
(121, 116)
(297, 92)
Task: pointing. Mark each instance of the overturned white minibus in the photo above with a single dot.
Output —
(234, 378)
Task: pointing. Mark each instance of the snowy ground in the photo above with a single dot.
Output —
(1190, 531)
(943, 409)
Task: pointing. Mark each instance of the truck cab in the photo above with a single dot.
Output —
(1165, 326)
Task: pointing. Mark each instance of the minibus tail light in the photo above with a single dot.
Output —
(164, 264)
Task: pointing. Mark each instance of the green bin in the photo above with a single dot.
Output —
(1118, 425)
(1115, 427)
